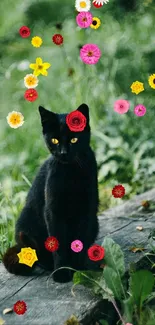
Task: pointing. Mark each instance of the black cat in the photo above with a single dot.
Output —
(62, 202)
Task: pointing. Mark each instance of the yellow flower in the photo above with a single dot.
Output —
(31, 81)
(152, 81)
(39, 67)
(137, 87)
(15, 119)
(27, 256)
(36, 41)
(96, 22)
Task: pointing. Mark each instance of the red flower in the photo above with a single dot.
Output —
(57, 39)
(96, 252)
(96, 5)
(31, 95)
(51, 244)
(76, 121)
(24, 31)
(20, 307)
(118, 191)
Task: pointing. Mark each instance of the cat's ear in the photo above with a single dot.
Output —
(45, 114)
(48, 119)
(84, 109)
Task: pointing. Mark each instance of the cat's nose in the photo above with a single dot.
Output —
(63, 152)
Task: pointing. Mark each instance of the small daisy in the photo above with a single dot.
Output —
(15, 119)
(84, 19)
(90, 53)
(121, 106)
(77, 246)
(118, 191)
(140, 110)
(81, 5)
(36, 41)
(31, 95)
(57, 39)
(152, 81)
(137, 87)
(20, 307)
(95, 23)
(31, 81)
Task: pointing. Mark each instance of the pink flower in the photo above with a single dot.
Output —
(84, 19)
(90, 53)
(128, 324)
(77, 246)
(121, 106)
(140, 110)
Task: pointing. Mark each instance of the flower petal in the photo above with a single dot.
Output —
(46, 65)
(39, 61)
(36, 72)
(32, 66)
(44, 72)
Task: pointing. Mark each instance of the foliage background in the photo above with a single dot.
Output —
(124, 144)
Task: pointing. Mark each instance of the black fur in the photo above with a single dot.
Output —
(63, 200)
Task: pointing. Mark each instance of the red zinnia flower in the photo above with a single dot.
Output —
(24, 31)
(51, 244)
(76, 121)
(31, 95)
(57, 39)
(96, 252)
(20, 307)
(118, 191)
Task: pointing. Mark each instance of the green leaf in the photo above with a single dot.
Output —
(114, 256)
(128, 309)
(141, 285)
(86, 277)
(103, 290)
(113, 281)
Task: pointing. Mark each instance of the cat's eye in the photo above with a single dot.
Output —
(74, 140)
(54, 141)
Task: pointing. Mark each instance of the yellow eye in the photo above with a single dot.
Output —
(74, 140)
(55, 141)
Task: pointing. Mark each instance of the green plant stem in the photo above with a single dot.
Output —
(118, 312)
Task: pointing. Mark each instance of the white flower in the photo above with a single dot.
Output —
(82, 5)
(100, 2)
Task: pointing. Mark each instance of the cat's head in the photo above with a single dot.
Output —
(62, 142)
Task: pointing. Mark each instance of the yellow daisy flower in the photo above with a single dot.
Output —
(27, 256)
(39, 67)
(36, 41)
(152, 81)
(15, 119)
(96, 22)
(31, 81)
(137, 87)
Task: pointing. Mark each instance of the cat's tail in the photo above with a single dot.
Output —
(11, 260)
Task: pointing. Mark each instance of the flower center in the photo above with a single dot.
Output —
(94, 22)
(84, 19)
(154, 81)
(40, 67)
(76, 121)
(121, 106)
(24, 31)
(96, 253)
(90, 53)
(83, 4)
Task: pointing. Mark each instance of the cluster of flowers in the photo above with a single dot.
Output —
(16, 119)
(89, 53)
(137, 86)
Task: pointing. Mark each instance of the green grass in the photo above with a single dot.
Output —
(124, 145)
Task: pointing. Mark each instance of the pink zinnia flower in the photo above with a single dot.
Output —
(140, 110)
(84, 19)
(90, 53)
(77, 246)
(121, 106)
(128, 324)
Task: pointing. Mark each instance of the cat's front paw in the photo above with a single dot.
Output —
(63, 276)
